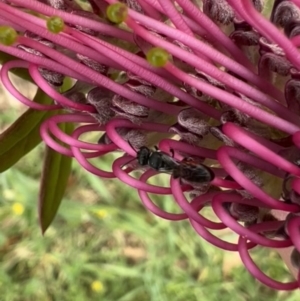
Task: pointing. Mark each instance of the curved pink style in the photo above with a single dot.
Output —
(252, 267)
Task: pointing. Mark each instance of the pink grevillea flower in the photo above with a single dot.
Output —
(221, 78)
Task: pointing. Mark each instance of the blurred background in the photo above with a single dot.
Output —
(103, 244)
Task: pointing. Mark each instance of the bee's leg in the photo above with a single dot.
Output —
(175, 174)
(156, 148)
(128, 141)
(172, 152)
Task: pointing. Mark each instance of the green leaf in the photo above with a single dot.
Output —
(55, 176)
(23, 135)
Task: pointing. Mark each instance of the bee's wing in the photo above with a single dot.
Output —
(170, 163)
(192, 171)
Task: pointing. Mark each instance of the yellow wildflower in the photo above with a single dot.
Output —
(101, 213)
(97, 286)
(18, 208)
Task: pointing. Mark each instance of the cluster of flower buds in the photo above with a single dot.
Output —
(219, 78)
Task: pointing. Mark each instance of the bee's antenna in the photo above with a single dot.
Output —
(128, 141)
(172, 152)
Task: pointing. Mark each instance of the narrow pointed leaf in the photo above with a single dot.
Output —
(23, 135)
(22, 147)
(55, 176)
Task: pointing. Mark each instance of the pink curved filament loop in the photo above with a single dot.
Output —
(167, 145)
(74, 118)
(243, 137)
(227, 219)
(293, 227)
(296, 185)
(190, 209)
(131, 181)
(50, 126)
(61, 99)
(296, 139)
(13, 91)
(224, 155)
(216, 241)
(253, 268)
(81, 157)
(149, 204)
(138, 184)
(111, 132)
(44, 132)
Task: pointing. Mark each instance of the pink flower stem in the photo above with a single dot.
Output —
(250, 142)
(296, 41)
(190, 23)
(266, 28)
(199, 46)
(42, 62)
(175, 16)
(177, 19)
(238, 103)
(113, 124)
(219, 182)
(296, 185)
(124, 53)
(60, 98)
(213, 71)
(102, 80)
(203, 26)
(38, 26)
(293, 227)
(75, 19)
(151, 77)
(6, 22)
(167, 145)
(150, 10)
(102, 5)
(296, 139)
(297, 2)
(214, 31)
(134, 58)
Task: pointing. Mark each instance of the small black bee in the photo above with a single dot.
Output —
(157, 160)
(187, 169)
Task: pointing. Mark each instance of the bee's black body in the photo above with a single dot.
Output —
(192, 171)
(187, 169)
(157, 160)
